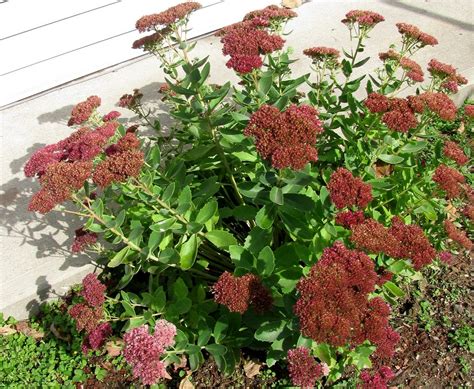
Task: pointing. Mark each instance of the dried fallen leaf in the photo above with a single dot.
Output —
(114, 347)
(291, 3)
(186, 383)
(25, 328)
(461, 128)
(7, 330)
(452, 212)
(382, 169)
(252, 368)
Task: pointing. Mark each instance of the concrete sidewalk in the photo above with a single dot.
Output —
(35, 263)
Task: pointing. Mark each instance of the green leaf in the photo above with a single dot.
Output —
(221, 238)
(163, 225)
(266, 261)
(270, 331)
(207, 212)
(188, 252)
(265, 83)
(391, 159)
(216, 349)
(276, 195)
(265, 217)
(154, 240)
(180, 290)
(414, 147)
(120, 257)
(393, 289)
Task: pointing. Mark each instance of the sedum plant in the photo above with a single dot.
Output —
(279, 214)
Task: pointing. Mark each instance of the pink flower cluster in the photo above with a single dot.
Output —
(450, 180)
(93, 290)
(398, 241)
(82, 111)
(143, 350)
(239, 293)
(469, 111)
(412, 69)
(82, 240)
(324, 55)
(413, 35)
(287, 138)
(363, 18)
(303, 368)
(454, 152)
(377, 380)
(152, 42)
(131, 101)
(271, 13)
(345, 190)
(447, 74)
(334, 306)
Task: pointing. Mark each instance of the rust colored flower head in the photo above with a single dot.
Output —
(457, 235)
(413, 34)
(333, 305)
(390, 55)
(58, 183)
(166, 18)
(412, 69)
(468, 211)
(469, 111)
(98, 336)
(129, 142)
(412, 243)
(348, 219)
(303, 368)
(272, 13)
(130, 101)
(440, 69)
(400, 116)
(345, 190)
(377, 103)
(87, 318)
(373, 237)
(42, 158)
(82, 240)
(363, 18)
(239, 293)
(450, 180)
(82, 111)
(93, 290)
(152, 42)
(112, 115)
(244, 63)
(287, 138)
(438, 103)
(252, 42)
(323, 55)
(452, 151)
(118, 168)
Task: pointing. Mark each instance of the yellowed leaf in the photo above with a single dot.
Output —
(7, 330)
(186, 383)
(252, 368)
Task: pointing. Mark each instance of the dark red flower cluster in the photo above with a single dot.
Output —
(82, 111)
(287, 138)
(143, 350)
(87, 318)
(58, 183)
(348, 219)
(362, 17)
(165, 18)
(413, 70)
(468, 211)
(450, 180)
(239, 293)
(447, 74)
(457, 235)
(82, 240)
(112, 115)
(346, 190)
(93, 290)
(384, 276)
(151, 42)
(438, 103)
(397, 113)
(303, 368)
(398, 241)
(334, 305)
(245, 42)
(131, 101)
(377, 380)
(413, 34)
(97, 337)
(118, 167)
(273, 13)
(454, 152)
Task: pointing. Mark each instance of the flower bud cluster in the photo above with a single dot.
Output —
(334, 306)
(143, 350)
(435, 102)
(397, 113)
(323, 57)
(287, 138)
(413, 35)
(82, 240)
(271, 13)
(450, 180)
(239, 293)
(446, 75)
(457, 235)
(303, 368)
(167, 17)
(452, 151)
(345, 190)
(377, 380)
(363, 18)
(82, 111)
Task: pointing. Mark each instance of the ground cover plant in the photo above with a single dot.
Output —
(281, 215)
